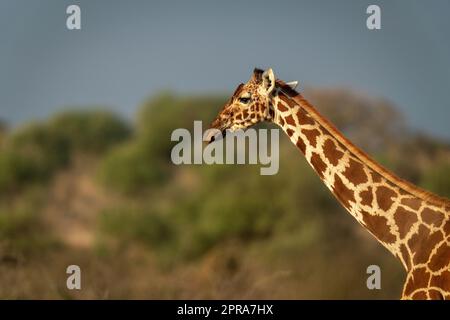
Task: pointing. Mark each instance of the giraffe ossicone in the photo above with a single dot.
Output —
(411, 223)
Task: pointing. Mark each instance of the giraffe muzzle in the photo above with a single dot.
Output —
(214, 134)
(217, 130)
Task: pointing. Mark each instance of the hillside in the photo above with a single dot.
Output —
(88, 188)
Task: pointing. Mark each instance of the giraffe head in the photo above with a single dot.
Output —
(249, 104)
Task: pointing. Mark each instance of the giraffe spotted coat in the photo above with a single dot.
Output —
(411, 223)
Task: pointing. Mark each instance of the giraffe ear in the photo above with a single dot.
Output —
(268, 80)
(292, 84)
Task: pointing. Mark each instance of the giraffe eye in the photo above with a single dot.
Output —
(244, 100)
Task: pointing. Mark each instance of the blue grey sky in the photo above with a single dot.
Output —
(129, 50)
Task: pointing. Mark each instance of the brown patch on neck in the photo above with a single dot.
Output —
(446, 227)
(281, 107)
(366, 197)
(290, 132)
(378, 226)
(290, 120)
(376, 178)
(413, 203)
(432, 217)
(286, 100)
(344, 194)
(404, 219)
(355, 172)
(311, 135)
(385, 197)
(318, 164)
(301, 145)
(435, 295)
(423, 242)
(304, 118)
(331, 153)
(442, 281)
(420, 295)
(419, 279)
(441, 258)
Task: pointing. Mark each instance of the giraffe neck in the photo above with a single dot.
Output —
(409, 223)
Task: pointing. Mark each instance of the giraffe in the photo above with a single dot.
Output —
(413, 224)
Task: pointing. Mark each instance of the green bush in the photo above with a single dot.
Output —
(15, 170)
(22, 230)
(131, 169)
(34, 152)
(39, 145)
(137, 224)
(146, 162)
(160, 116)
(230, 216)
(89, 131)
(29, 155)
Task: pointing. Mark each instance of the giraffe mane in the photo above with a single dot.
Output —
(357, 152)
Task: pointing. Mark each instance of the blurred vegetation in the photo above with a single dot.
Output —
(438, 179)
(145, 160)
(33, 153)
(156, 230)
(22, 231)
